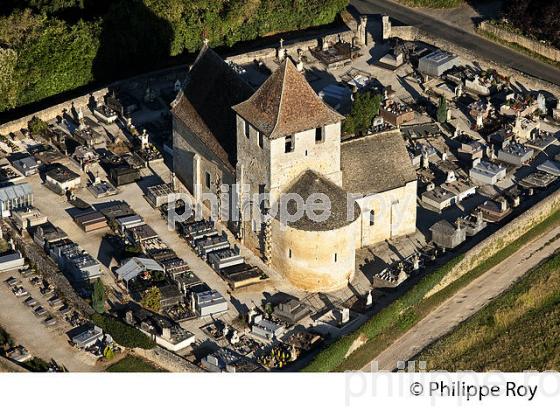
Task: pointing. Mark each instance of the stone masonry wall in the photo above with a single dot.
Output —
(51, 112)
(407, 33)
(291, 47)
(500, 239)
(168, 360)
(532, 45)
(315, 261)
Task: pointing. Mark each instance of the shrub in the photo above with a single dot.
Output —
(98, 296)
(5, 338)
(151, 299)
(364, 109)
(442, 110)
(37, 126)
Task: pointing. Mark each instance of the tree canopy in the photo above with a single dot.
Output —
(538, 18)
(98, 296)
(51, 46)
(151, 299)
(441, 114)
(364, 109)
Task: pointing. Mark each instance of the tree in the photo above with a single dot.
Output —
(59, 45)
(364, 109)
(9, 87)
(442, 110)
(98, 296)
(152, 299)
(108, 353)
(157, 276)
(37, 126)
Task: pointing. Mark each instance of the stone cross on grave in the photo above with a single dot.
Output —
(282, 52)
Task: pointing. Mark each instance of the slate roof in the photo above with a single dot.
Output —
(135, 266)
(204, 106)
(311, 182)
(550, 167)
(62, 174)
(13, 192)
(374, 164)
(443, 227)
(286, 104)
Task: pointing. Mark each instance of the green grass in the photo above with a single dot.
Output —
(433, 4)
(517, 331)
(394, 320)
(133, 364)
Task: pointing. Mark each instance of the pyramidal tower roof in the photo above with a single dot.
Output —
(286, 104)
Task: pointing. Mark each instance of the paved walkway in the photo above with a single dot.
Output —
(467, 301)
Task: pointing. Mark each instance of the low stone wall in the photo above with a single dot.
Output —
(168, 360)
(407, 33)
(51, 112)
(81, 101)
(500, 239)
(543, 49)
(292, 46)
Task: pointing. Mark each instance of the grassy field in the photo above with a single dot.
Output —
(434, 4)
(133, 364)
(517, 331)
(394, 320)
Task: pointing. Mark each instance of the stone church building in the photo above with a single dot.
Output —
(283, 139)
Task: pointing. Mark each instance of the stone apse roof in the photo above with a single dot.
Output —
(311, 182)
(286, 104)
(376, 163)
(204, 106)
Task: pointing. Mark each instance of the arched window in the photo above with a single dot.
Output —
(371, 217)
(247, 128)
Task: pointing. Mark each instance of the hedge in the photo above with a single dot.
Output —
(123, 334)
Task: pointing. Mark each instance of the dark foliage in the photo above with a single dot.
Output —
(48, 47)
(538, 18)
(122, 333)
